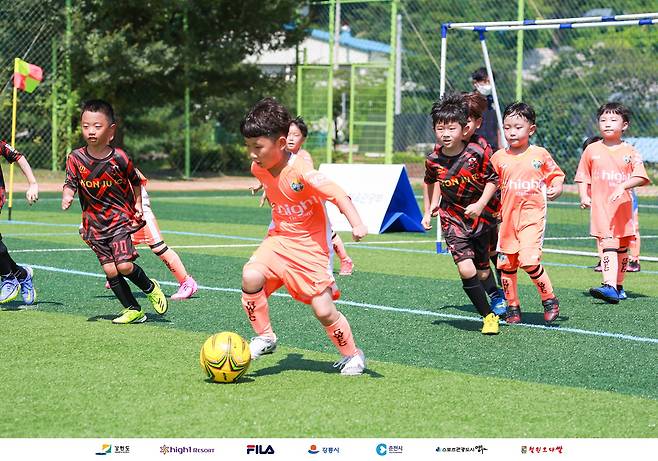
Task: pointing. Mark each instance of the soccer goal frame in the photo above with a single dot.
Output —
(638, 19)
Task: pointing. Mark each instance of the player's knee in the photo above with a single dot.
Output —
(483, 274)
(252, 279)
(466, 269)
(110, 271)
(125, 268)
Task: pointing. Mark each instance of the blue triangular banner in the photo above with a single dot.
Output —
(403, 213)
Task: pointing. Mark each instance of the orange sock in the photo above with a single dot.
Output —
(510, 286)
(173, 263)
(622, 262)
(339, 246)
(609, 266)
(340, 334)
(540, 278)
(258, 311)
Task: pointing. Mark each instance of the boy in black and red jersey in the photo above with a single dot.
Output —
(16, 278)
(110, 196)
(468, 209)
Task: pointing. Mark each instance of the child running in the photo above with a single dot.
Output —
(110, 196)
(295, 253)
(16, 278)
(468, 210)
(607, 170)
(297, 134)
(528, 176)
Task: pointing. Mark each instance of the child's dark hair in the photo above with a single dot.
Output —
(522, 110)
(477, 104)
(481, 75)
(99, 105)
(299, 123)
(451, 108)
(267, 118)
(615, 108)
(591, 140)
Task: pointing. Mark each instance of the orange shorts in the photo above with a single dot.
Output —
(524, 249)
(303, 267)
(150, 233)
(614, 242)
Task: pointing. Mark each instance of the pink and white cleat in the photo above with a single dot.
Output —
(107, 285)
(186, 289)
(346, 267)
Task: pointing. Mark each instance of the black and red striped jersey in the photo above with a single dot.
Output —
(105, 188)
(12, 155)
(461, 180)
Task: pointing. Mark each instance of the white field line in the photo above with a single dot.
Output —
(400, 310)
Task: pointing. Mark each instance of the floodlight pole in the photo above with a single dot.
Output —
(519, 53)
(186, 173)
(442, 68)
(54, 121)
(390, 87)
(330, 82)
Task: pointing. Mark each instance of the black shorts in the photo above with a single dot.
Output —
(476, 248)
(116, 249)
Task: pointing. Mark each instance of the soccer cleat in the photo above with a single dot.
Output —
(551, 309)
(27, 287)
(513, 314)
(352, 365)
(606, 293)
(622, 293)
(107, 285)
(130, 316)
(157, 298)
(9, 290)
(498, 303)
(598, 268)
(261, 345)
(186, 289)
(633, 266)
(490, 325)
(346, 267)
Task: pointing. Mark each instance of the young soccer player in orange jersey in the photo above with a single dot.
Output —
(607, 170)
(296, 251)
(296, 137)
(528, 176)
(468, 210)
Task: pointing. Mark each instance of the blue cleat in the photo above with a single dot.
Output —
(499, 304)
(27, 287)
(606, 293)
(622, 293)
(9, 290)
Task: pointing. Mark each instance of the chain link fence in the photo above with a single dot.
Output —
(33, 35)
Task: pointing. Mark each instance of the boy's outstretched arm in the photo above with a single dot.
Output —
(345, 205)
(32, 193)
(585, 199)
(634, 181)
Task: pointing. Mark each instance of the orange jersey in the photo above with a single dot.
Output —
(297, 197)
(604, 168)
(523, 181)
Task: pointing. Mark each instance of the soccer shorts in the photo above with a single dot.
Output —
(475, 247)
(303, 267)
(615, 242)
(149, 234)
(116, 249)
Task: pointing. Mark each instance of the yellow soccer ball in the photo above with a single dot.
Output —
(225, 357)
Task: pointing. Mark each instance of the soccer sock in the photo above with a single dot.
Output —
(540, 278)
(609, 266)
(622, 262)
(340, 334)
(7, 265)
(258, 311)
(339, 246)
(122, 291)
(634, 248)
(139, 278)
(489, 285)
(172, 261)
(475, 292)
(499, 275)
(510, 286)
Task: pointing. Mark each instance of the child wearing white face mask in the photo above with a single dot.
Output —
(489, 127)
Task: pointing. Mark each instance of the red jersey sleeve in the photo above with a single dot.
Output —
(9, 153)
(71, 180)
(550, 169)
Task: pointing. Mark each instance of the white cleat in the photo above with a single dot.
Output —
(261, 345)
(352, 365)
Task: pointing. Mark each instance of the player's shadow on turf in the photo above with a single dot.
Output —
(149, 318)
(297, 362)
(630, 294)
(19, 306)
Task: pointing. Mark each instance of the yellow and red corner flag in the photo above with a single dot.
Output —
(26, 76)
